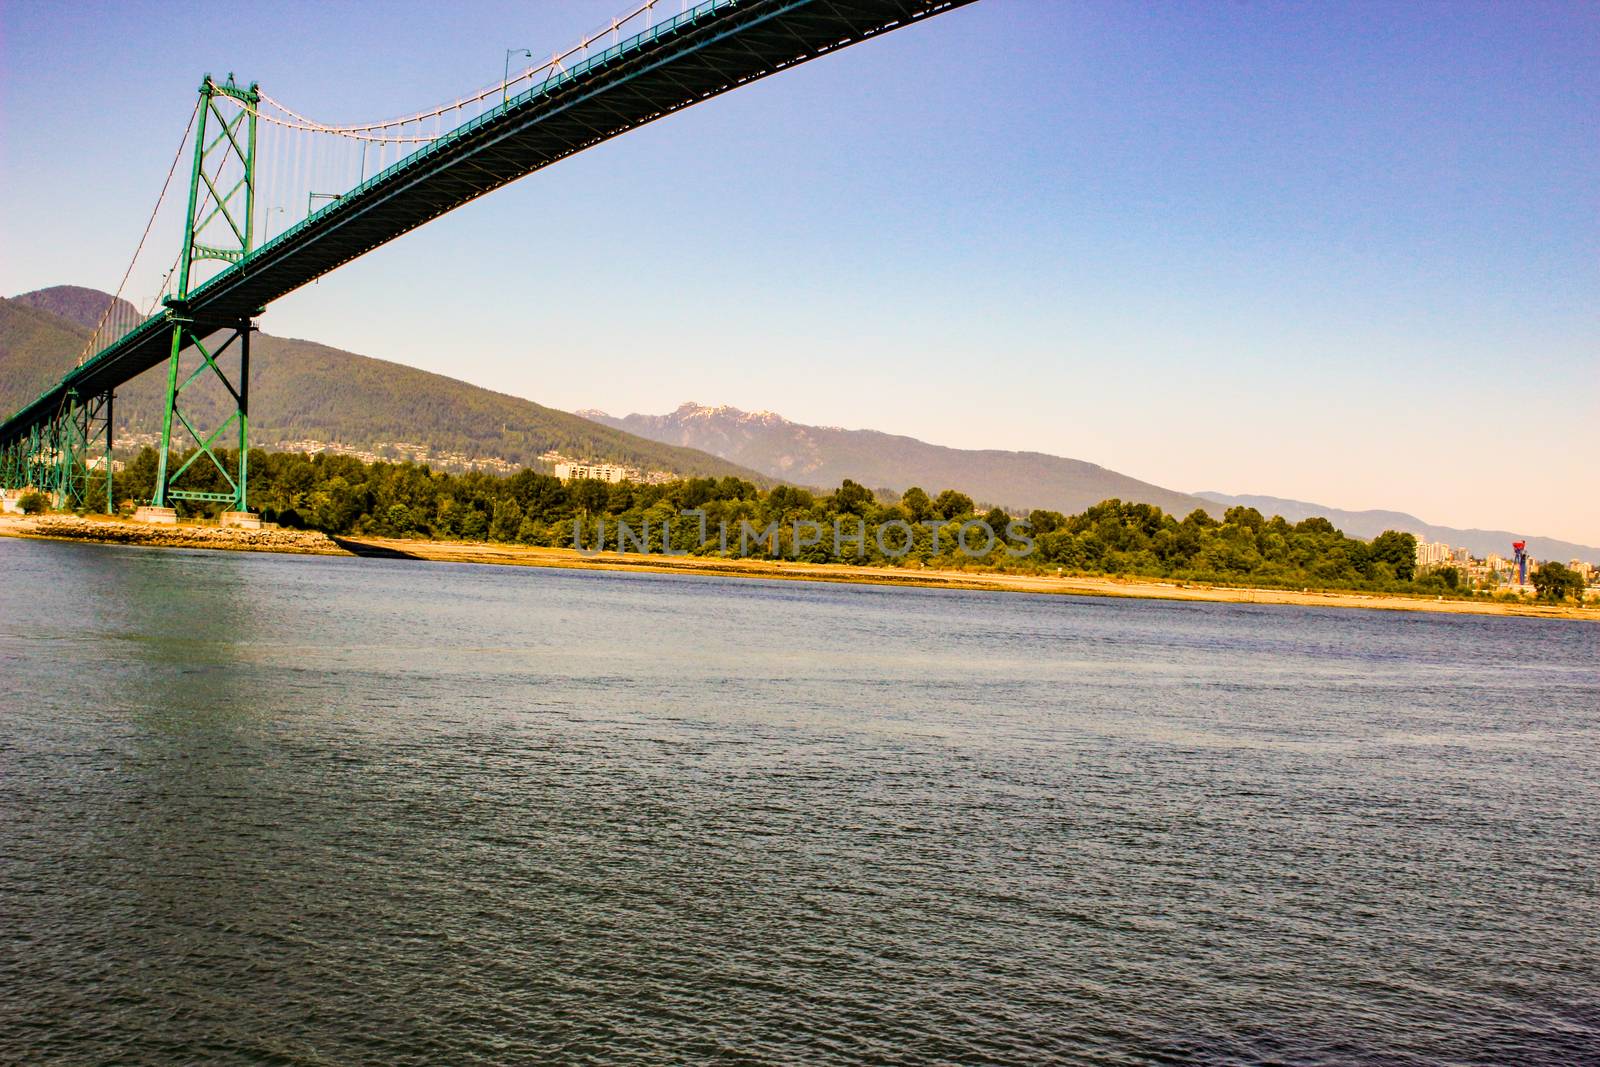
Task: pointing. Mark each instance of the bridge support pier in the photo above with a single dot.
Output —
(233, 492)
(56, 458)
(82, 424)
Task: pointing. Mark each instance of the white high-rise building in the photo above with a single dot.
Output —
(1432, 553)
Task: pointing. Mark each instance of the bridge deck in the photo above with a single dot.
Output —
(715, 46)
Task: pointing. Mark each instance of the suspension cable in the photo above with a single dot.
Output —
(556, 62)
(299, 168)
(90, 347)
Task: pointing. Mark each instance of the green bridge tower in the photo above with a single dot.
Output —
(222, 201)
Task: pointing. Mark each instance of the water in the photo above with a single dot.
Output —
(266, 809)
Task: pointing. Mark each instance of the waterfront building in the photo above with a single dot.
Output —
(569, 471)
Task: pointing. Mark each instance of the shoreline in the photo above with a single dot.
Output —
(105, 530)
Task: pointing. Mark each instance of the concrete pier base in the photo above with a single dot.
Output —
(164, 516)
(241, 520)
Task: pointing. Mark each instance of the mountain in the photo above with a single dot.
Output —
(76, 304)
(1371, 523)
(302, 391)
(826, 455)
(36, 347)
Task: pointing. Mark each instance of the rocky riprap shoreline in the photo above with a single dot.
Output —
(182, 536)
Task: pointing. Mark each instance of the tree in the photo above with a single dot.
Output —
(33, 502)
(588, 495)
(785, 501)
(1042, 521)
(917, 504)
(507, 521)
(1555, 582)
(951, 504)
(530, 533)
(474, 524)
(138, 478)
(1399, 551)
(852, 499)
(1243, 516)
(398, 519)
(336, 506)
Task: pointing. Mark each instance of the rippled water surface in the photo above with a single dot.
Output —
(263, 809)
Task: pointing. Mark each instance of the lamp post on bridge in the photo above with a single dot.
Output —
(505, 78)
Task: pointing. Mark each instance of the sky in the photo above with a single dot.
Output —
(1346, 253)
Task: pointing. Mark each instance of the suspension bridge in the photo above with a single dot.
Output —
(336, 192)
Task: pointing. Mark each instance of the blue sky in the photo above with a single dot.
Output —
(1345, 253)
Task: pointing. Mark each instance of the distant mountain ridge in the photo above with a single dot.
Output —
(826, 455)
(300, 390)
(1370, 524)
(76, 304)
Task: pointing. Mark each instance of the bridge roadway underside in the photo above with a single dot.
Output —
(658, 74)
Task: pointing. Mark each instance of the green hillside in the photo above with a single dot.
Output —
(35, 348)
(300, 390)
